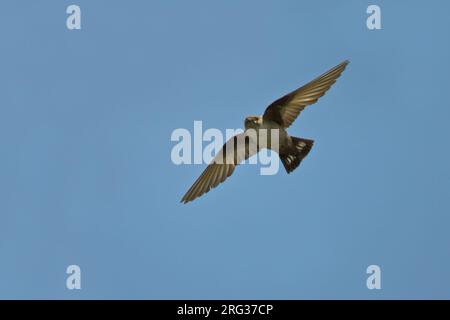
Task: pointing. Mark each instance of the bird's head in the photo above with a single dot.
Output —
(253, 122)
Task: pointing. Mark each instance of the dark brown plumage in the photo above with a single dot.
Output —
(279, 115)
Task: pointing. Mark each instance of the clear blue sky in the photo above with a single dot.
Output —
(85, 170)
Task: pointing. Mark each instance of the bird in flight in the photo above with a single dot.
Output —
(278, 115)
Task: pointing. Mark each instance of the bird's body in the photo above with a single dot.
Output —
(278, 116)
(258, 122)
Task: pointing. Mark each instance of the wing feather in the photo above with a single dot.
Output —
(233, 152)
(285, 110)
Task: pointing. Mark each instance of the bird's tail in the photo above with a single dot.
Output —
(292, 159)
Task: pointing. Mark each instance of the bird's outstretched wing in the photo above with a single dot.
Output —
(234, 151)
(285, 110)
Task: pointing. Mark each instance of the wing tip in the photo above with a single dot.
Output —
(185, 200)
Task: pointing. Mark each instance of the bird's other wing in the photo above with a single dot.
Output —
(285, 110)
(234, 151)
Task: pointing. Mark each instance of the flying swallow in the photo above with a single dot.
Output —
(278, 115)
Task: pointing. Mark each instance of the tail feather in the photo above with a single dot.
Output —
(294, 157)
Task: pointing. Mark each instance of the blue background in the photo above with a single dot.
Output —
(86, 176)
